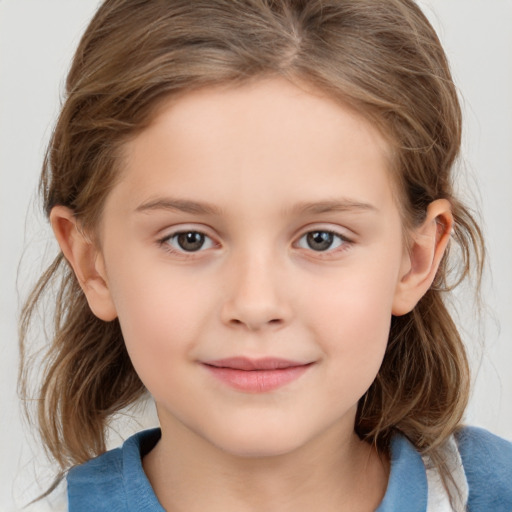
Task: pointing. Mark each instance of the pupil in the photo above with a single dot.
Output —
(320, 240)
(191, 241)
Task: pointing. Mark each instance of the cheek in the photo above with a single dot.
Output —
(161, 314)
(352, 322)
(358, 331)
(355, 345)
(160, 334)
(358, 300)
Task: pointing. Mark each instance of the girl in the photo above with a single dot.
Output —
(254, 204)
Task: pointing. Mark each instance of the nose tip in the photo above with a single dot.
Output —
(256, 298)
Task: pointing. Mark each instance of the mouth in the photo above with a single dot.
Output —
(256, 375)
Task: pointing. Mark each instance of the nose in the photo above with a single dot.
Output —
(256, 294)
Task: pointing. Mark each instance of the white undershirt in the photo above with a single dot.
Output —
(437, 501)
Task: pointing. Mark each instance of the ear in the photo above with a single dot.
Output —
(420, 263)
(85, 259)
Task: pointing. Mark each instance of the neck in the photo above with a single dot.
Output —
(337, 472)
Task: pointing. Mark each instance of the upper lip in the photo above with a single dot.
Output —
(247, 363)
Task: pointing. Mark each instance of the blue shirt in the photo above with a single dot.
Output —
(116, 482)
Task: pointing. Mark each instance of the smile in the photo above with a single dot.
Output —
(256, 375)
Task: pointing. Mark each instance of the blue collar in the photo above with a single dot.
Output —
(115, 481)
(407, 486)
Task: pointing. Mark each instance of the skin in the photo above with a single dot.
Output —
(263, 164)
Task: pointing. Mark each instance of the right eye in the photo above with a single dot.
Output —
(188, 241)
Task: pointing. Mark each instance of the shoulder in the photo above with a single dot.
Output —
(90, 482)
(487, 462)
(97, 471)
(115, 480)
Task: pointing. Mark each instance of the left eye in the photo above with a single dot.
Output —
(189, 241)
(320, 241)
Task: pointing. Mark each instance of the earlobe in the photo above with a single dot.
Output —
(429, 243)
(86, 261)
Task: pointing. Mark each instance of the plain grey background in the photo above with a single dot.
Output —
(37, 39)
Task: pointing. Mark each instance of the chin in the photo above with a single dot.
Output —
(261, 444)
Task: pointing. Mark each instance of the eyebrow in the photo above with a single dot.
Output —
(335, 205)
(182, 205)
(203, 208)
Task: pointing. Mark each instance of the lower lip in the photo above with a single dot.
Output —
(257, 381)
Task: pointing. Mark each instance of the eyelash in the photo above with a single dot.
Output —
(165, 243)
(343, 243)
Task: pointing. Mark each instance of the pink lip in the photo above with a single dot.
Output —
(256, 375)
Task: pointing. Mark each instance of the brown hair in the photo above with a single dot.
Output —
(382, 58)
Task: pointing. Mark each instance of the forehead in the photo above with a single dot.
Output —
(270, 140)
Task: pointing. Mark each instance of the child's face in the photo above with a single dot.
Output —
(294, 252)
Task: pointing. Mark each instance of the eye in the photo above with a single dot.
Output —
(188, 241)
(321, 241)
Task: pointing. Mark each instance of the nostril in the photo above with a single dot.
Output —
(258, 325)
